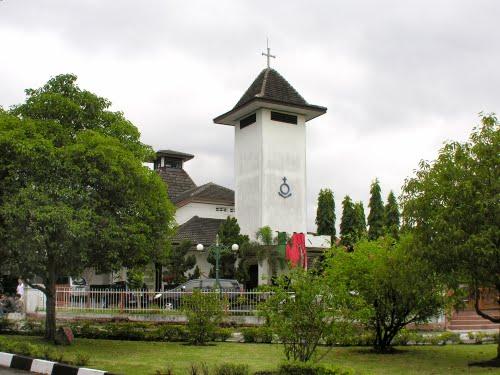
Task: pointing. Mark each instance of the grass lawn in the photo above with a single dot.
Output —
(144, 358)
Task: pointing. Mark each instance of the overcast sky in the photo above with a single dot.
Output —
(398, 77)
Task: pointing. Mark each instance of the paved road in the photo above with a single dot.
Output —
(9, 371)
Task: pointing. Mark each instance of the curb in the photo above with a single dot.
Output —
(41, 366)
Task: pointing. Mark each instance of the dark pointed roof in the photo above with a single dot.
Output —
(209, 192)
(177, 181)
(269, 84)
(175, 154)
(198, 230)
(272, 89)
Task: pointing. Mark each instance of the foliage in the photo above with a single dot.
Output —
(360, 220)
(231, 369)
(391, 216)
(265, 235)
(81, 359)
(178, 263)
(376, 215)
(451, 204)
(301, 312)
(325, 214)
(257, 334)
(73, 189)
(135, 278)
(348, 230)
(300, 368)
(384, 287)
(204, 313)
(229, 234)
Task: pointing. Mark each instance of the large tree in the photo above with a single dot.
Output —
(348, 230)
(376, 215)
(391, 216)
(383, 287)
(73, 190)
(325, 214)
(452, 205)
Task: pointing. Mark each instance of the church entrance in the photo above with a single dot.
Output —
(253, 272)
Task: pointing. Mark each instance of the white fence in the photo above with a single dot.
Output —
(142, 302)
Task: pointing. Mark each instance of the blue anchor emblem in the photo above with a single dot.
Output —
(284, 189)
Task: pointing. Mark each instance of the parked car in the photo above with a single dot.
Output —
(172, 298)
(119, 294)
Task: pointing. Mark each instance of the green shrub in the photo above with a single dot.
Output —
(249, 334)
(257, 334)
(301, 368)
(81, 359)
(5, 325)
(481, 337)
(204, 313)
(222, 334)
(172, 333)
(231, 369)
(198, 369)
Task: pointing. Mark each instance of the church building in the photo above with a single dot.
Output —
(269, 123)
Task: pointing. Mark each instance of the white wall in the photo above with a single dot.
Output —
(265, 152)
(207, 210)
(248, 176)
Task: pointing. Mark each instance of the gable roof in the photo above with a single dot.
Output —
(198, 230)
(209, 192)
(270, 87)
(177, 181)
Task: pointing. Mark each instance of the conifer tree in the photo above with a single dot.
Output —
(325, 214)
(348, 223)
(360, 220)
(376, 216)
(391, 216)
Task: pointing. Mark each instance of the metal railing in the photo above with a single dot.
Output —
(150, 302)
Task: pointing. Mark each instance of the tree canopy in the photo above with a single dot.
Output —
(325, 214)
(391, 216)
(348, 229)
(383, 287)
(452, 206)
(73, 189)
(376, 215)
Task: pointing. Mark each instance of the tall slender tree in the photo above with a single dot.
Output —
(360, 220)
(391, 216)
(376, 215)
(348, 234)
(325, 214)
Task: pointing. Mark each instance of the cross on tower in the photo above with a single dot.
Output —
(268, 54)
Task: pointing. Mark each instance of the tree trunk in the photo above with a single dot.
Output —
(50, 305)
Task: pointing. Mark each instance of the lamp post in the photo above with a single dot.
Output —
(218, 249)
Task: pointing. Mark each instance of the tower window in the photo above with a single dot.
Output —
(249, 120)
(283, 117)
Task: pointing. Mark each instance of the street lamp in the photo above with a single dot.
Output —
(217, 250)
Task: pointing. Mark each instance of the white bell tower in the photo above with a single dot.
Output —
(270, 154)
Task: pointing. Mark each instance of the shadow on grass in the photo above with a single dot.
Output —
(490, 363)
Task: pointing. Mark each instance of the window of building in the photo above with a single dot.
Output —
(249, 120)
(221, 209)
(231, 210)
(284, 117)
